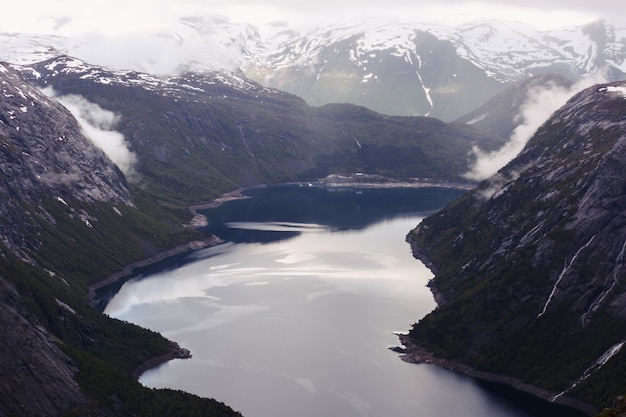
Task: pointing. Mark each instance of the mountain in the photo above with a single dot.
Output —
(46, 159)
(424, 68)
(73, 215)
(393, 67)
(70, 219)
(529, 266)
(200, 134)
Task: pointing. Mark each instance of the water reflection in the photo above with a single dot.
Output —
(300, 327)
(336, 209)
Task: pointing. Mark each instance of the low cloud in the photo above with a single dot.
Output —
(98, 125)
(184, 49)
(540, 104)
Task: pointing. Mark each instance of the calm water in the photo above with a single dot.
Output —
(293, 316)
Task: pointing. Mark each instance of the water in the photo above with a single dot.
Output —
(293, 316)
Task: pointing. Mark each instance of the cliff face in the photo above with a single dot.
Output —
(67, 219)
(36, 378)
(44, 155)
(530, 265)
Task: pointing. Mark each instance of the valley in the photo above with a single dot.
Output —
(100, 164)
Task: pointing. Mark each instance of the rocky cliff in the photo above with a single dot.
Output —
(44, 155)
(36, 377)
(530, 271)
(67, 219)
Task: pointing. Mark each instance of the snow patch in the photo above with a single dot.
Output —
(65, 307)
(621, 89)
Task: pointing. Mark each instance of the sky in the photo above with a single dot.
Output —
(72, 17)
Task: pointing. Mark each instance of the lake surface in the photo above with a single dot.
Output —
(294, 314)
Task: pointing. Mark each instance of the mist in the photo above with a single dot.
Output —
(540, 104)
(182, 50)
(98, 125)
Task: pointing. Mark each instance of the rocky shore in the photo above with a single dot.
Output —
(174, 352)
(128, 269)
(412, 353)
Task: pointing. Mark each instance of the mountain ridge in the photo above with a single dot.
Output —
(233, 132)
(395, 67)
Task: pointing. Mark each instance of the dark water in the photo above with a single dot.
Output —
(293, 316)
(340, 209)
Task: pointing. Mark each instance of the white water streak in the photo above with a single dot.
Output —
(245, 142)
(426, 89)
(599, 363)
(565, 269)
(619, 261)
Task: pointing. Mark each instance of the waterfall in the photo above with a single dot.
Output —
(599, 363)
(619, 261)
(566, 268)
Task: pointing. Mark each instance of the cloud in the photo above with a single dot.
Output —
(78, 17)
(98, 125)
(173, 51)
(170, 36)
(540, 104)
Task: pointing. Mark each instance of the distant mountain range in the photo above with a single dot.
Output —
(395, 68)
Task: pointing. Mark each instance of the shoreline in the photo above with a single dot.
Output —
(415, 354)
(160, 256)
(198, 220)
(411, 352)
(174, 351)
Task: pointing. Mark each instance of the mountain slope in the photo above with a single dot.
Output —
(69, 219)
(198, 135)
(530, 265)
(56, 161)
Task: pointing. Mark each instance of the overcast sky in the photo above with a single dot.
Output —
(71, 17)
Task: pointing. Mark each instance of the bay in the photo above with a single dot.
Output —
(294, 314)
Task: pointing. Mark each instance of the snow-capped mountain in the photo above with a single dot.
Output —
(426, 68)
(393, 67)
